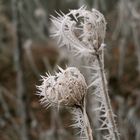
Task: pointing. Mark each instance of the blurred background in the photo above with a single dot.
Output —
(27, 51)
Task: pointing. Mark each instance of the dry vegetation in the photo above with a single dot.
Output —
(26, 52)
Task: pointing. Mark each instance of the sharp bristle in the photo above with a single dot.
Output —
(60, 68)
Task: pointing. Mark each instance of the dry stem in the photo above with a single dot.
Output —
(107, 100)
(87, 122)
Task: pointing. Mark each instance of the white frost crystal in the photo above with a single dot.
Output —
(81, 29)
(66, 88)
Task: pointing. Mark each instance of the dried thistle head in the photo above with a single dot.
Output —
(66, 88)
(94, 28)
(81, 29)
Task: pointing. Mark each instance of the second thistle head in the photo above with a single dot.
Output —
(82, 29)
(66, 88)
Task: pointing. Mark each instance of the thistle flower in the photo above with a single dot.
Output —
(84, 31)
(66, 88)
(81, 29)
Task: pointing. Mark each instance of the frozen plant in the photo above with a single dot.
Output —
(67, 88)
(83, 31)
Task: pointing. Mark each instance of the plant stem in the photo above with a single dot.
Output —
(22, 110)
(107, 100)
(87, 122)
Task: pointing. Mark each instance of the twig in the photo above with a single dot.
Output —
(21, 93)
(87, 122)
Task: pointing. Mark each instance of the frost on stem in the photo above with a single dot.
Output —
(66, 88)
(78, 121)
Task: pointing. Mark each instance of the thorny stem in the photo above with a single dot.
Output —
(107, 99)
(87, 122)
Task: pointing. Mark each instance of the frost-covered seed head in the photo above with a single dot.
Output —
(66, 88)
(81, 29)
(94, 28)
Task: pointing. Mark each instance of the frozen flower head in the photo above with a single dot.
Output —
(66, 88)
(81, 29)
(94, 28)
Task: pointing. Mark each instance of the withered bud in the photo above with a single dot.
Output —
(66, 88)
